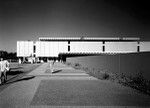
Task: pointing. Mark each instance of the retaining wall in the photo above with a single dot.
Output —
(128, 64)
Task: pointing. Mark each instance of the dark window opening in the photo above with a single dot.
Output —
(68, 48)
(34, 49)
(68, 42)
(103, 48)
(103, 42)
(138, 48)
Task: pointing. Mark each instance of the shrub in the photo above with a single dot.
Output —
(100, 74)
(138, 79)
(105, 76)
(77, 66)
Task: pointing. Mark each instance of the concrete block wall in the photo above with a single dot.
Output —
(128, 64)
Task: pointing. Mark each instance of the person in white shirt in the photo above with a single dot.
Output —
(51, 64)
(4, 67)
(19, 61)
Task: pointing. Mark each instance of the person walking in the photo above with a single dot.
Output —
(4, 68)
(7, 68)
(2, 71)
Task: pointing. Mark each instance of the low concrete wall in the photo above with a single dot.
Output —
(128, 64)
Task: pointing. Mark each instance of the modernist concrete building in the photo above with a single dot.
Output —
(59, 47)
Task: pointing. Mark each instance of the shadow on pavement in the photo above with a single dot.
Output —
(27, 78)
(56, 71)
(16, 68)
(14, 72)
(22, 79)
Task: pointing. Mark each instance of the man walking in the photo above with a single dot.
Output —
(4, 67)
(2, 71)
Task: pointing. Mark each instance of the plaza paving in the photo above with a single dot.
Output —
(67, 87)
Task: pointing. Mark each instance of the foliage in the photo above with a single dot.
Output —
(6, 55)
(77, 66)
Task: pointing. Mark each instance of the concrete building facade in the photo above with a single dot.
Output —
(50, 47)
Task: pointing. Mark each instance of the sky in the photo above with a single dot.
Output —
(30, 19)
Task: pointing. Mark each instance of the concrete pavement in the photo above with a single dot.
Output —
(68, 87)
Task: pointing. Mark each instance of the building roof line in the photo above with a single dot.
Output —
(89, 38)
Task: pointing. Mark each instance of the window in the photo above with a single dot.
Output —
(138, 48)
(103, 48)
(103, 42)
(68, 48)
(68, 42)
(34, 49)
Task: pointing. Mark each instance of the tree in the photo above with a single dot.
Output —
(6, 55)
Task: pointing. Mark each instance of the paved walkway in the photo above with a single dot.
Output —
(68, 87)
